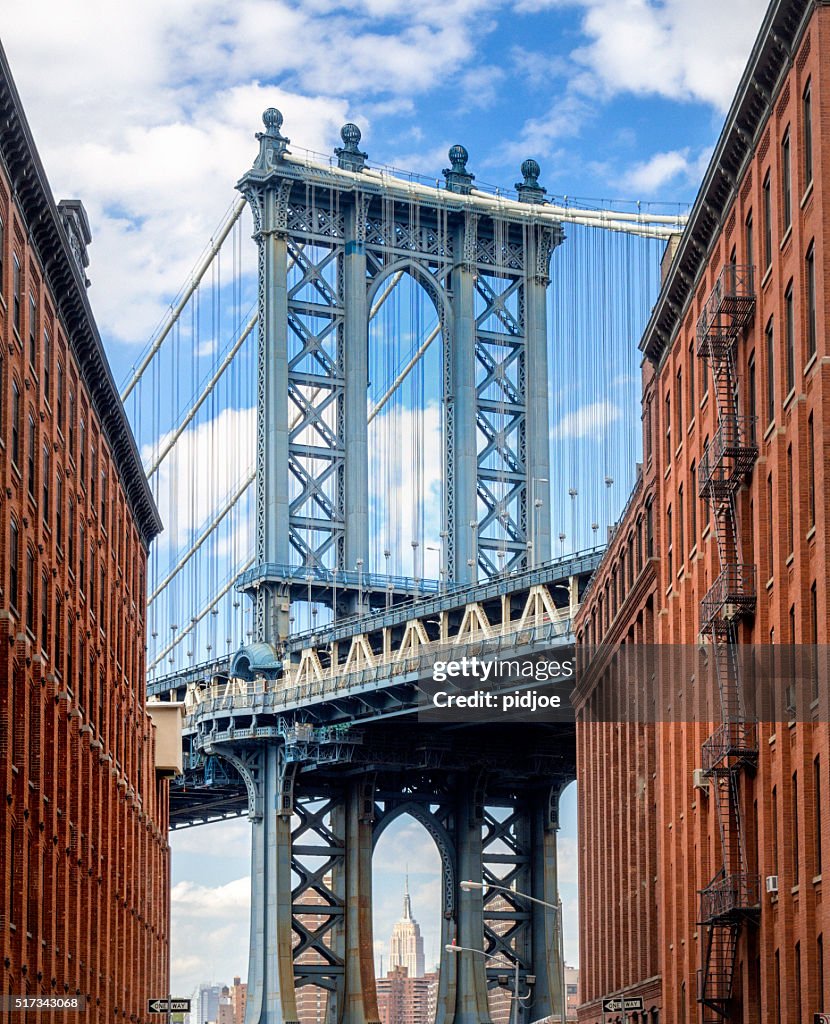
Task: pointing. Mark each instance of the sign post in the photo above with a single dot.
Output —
(624, 1005)
(168, 1005)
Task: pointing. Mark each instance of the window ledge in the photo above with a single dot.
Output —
(770, 582)
(807, 193)
(691, 425)
(811, 533)
(810, 363)
(769, 430)
(790, 558)
(704, 400)
(790, 397)
(788, 234)
(767, 275)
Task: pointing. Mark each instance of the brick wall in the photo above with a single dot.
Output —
(676, 850)
(83, 828)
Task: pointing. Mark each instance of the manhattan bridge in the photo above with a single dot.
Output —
(388, 432)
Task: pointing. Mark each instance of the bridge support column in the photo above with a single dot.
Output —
(471, 975)
(271, 998)
(356, 372)
(538, 419)
(356, 1000)
(461, 460)
(545, 924)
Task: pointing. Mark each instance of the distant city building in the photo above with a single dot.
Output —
(407, 944)
(239, 1000)
(207, 1003)
(406, 1000)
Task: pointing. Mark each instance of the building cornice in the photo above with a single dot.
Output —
(769, 62)
(31, 191)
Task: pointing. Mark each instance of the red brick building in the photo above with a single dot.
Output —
(83, 830)
(687, 817)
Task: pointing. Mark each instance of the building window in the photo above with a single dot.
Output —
(790, 502)
(786, 183)
(810, 261)
(668, 425)
(56, 642)
(814, 655)
(679, 402)
(82, 452)
(81, 559)
(45, 502)
(2, 256)
(767, 222)
(103, 500)
(92, 607)
(749, 240)
(47, 358)
(681, 533)
(59, 510)
(774, 814)
(31, 455)
(70, 534)
(32, 331)
(817, 802)
(102, 596)
(691, 379)
(650, 530)
(15, 453)
(769, 335)
(93, 476)
(59, 398)
(14, 566)
(798, 1007)
(771, 532)
(796, 843)
(693, 499)
(752, 399)
(669, 548)
(811, 473)
(44, 612)
(647, 430)
(72, 423)
(16, 293)
(30, 590)
(789, 315)
(807, 132)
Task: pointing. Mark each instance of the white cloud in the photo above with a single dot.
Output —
(157, 124)
(591, 421)
(649, 176)
(674, 49)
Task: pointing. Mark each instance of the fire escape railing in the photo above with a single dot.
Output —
(732, 897)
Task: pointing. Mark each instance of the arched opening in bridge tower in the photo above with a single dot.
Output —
(405, 404)
(406, 894)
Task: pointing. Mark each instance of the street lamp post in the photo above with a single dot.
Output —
(556, 907)
(359, 567)
(515, 997)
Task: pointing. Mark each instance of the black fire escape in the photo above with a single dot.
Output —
(732, 898)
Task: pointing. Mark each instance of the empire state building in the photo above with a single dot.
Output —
(407, 944)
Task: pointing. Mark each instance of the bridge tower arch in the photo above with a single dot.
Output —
(327, 239)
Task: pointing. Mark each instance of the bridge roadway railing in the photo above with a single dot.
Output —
(573, 570)
(217, 699)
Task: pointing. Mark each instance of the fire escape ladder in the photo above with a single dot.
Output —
(732, 896)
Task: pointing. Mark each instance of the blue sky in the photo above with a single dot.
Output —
(147, 113)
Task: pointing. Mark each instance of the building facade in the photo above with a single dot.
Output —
(83, 830)
(703, 834)
(406, 1000)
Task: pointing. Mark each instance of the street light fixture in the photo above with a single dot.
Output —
(469, 886)
(515, 998)
(536, 504)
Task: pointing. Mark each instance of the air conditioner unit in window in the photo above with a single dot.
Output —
(699, 780)
(772, 884)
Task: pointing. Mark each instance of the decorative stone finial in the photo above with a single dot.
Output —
(349, 157)
(530, 191)
(272, 144)
(458, 177)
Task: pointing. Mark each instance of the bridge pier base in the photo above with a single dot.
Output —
(271, 997)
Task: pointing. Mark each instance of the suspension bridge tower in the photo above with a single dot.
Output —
(332, 240)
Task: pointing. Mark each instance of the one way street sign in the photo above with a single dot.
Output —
(168, 1006)
(628, 1005)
